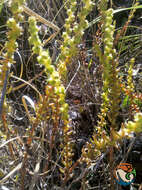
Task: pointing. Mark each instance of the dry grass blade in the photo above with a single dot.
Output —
(18, 167)
(27, 83)
(36, 171)
(30, 101)
(10, 140)
(50, 38)
(40, 18)
(24, 84)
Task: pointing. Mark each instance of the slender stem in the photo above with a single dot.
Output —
(3, 92)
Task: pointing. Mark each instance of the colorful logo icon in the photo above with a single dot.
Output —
(124, 174)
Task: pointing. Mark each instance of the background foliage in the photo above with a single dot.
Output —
(70, 102)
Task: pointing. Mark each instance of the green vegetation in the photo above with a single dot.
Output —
(41, 153)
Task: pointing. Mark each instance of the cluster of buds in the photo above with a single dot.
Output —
(14, 31)
(73, 32)
(55, 91)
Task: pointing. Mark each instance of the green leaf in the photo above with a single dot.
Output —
(125, 102)
(1, 5)
(96, 20)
